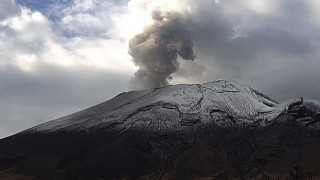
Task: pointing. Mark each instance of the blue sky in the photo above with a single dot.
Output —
(61, 56)
(43, 5)
(50, 8)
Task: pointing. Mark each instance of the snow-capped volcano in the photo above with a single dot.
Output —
(173, 108)
(221, 129)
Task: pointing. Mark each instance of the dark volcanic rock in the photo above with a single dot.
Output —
(218, 130)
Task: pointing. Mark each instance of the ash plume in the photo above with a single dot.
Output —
(156, 50)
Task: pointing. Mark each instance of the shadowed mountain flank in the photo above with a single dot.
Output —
(216, 130)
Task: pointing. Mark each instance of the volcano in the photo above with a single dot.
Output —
(216, 130)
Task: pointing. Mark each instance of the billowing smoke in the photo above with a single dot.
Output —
(244, 41)
(155, 51)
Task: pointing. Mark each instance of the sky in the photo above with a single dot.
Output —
(61, 56)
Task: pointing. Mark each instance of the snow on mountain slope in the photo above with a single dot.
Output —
(173, 108)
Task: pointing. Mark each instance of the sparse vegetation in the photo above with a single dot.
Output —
(300, 174)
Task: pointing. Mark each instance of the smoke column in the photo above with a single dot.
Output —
(155, 51)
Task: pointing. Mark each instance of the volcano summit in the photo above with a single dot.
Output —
(221, 129)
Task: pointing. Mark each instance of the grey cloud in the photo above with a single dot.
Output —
(33, 88)
(8, 8)
(276, 53)
(49, 92)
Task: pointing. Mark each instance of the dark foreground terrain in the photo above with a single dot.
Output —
(288, 147)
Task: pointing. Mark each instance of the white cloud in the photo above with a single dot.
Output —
(265, 43)
(46, 73)
(89, 17)
(29, 37)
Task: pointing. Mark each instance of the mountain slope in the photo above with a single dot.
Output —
(173, 108)
(220, 129)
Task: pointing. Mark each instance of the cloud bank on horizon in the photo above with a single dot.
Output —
(57, 57)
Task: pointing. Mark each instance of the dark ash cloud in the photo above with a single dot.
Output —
(156, 50)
